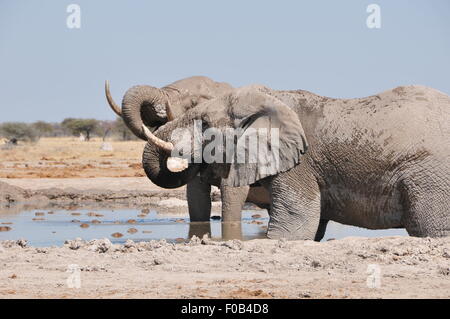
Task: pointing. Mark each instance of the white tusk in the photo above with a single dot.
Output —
(111, 102)
(176, 164)
(167, 146)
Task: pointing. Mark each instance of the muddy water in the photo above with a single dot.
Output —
(48, 228)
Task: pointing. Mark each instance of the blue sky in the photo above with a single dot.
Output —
(50, 72)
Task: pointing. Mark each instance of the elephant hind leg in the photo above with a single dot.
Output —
(426, 202)
(295, 209)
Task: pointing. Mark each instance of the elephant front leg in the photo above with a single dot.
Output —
(233, 199)
(198, 195)
(295, 208)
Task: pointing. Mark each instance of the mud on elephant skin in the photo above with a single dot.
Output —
(376, 162)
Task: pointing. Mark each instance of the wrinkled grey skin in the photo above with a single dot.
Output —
(143, 104)
(377, 162)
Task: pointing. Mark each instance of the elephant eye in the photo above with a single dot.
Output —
(202, 98)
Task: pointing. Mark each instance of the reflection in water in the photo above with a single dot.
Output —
(199, 229)
(232, 230)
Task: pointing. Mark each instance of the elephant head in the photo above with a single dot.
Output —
(153, 107)
(233, 119)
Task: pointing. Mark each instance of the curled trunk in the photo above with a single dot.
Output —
(144, 104)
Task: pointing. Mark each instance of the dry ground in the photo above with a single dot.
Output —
(68, 157)
(407, 268)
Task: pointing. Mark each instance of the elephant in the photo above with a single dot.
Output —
(147, 105)
(376, 162)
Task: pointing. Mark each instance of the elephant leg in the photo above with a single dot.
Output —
(321, 230)
(426, 207)
(233, 198)
(232, 230)
(198, 196)
(199, 229)
(295, 209)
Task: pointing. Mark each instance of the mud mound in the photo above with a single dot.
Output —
(96, 193)
(10, 194)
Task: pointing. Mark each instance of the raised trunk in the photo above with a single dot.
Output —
(145, 104)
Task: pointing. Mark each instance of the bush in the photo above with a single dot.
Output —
(121, 129)
(19, 131)
(43, 128)
(77, 126)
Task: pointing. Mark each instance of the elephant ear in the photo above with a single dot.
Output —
(268, 138)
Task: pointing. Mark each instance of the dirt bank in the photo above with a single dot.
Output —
(409, 267)
(91, 193)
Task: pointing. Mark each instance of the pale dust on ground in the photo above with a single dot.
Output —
(104, 183)
(405, 268)
(68, 157)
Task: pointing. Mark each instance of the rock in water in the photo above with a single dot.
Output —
(10, 194)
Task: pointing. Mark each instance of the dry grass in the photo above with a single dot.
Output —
(68, 157)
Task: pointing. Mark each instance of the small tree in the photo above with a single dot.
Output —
(104, 128)
(121, 129)
(58, 130)
(42, 128)
(77, 126)
(18, 131)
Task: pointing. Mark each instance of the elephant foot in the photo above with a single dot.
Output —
(288, 235)
(199, 229)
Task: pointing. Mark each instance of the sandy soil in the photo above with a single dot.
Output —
(103, 183)
(408, 268)
(94, 193)
(68, 157)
